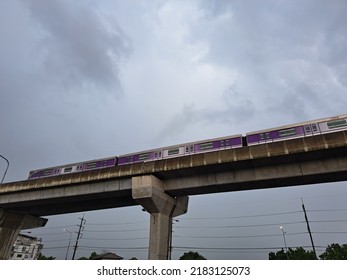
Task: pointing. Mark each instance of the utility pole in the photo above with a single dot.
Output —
(285, 242)
(68, 246)
(79, 235)
(170, 236)
(308, 228)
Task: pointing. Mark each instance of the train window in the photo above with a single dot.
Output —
(47, 172)
(267, 135)
(222, 143)
(262, 136)
(90, 165)
(206, 146)
(337, 123)
(191, 148)
(68, 169)
(287, 132)
(307, 128)
(173, 152)
(314, 127)
(144, 156)
(187, 149)
(226, 142)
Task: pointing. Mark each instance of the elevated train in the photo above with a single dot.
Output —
(298, 130)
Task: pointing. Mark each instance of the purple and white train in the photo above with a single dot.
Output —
(298, 130)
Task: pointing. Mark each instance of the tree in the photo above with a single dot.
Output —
(91, 257)
(293, 254)
(192, 256)
(335, 252)
(279, 255)
(42, 257)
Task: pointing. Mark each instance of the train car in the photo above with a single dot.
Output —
(73, 168)
(209, 145)
(304, 129)
(298, 130)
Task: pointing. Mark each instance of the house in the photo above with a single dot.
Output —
(26, 247)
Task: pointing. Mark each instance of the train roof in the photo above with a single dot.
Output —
(298, 124)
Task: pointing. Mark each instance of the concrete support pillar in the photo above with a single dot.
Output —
(149, 192)
(10, 225)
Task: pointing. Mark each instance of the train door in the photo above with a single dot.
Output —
(189, 149)
(311, 129)
(158, 155)
(308, 130)
(265, 137)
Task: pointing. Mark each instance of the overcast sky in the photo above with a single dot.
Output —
(88, 79)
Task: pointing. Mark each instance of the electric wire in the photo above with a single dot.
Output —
(203, 249)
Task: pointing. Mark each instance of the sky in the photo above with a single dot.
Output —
(82, 80)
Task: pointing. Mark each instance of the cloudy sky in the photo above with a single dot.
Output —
(88, 79)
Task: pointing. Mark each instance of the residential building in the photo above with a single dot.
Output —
(26, 247)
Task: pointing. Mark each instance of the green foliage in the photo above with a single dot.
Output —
(279, 255)
(332, 252)
(42, 257)
(335, 252)
(192, 256)
(91, 257)
(293, 254)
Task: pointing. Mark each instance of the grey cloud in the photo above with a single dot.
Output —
(237, 111)
(59, 76)
(334, 53)
(215, 8)
(77, 46)
(181, 121)
(265, 43)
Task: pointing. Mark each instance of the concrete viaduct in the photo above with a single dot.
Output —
(163, 187)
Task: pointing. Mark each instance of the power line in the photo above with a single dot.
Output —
(202, 227)
(48, 228)
(117, 224)
(113, 248)
(239, 236)
(240, 248)
(200, 218)
(202, 237)
(243, 226)
(120, 230)
(330, 232)
(329, 221)
(327, 210)
(241, 217)
(115, 239)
